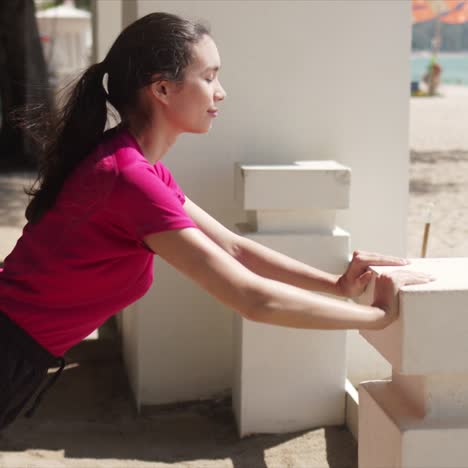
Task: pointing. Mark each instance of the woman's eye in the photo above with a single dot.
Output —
(209, 80)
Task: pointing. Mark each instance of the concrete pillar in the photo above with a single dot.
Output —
(288, 379)
(129, 12)
(181, 338)
(107, 24)
(419, 417)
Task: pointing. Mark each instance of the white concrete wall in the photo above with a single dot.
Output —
(305, 80)
(107, 24)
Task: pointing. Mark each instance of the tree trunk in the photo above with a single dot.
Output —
(23, 78)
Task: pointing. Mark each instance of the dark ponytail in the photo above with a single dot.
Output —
(77, 128)
(159, 44)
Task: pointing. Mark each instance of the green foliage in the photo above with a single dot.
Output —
(83, 4)
(45, 5)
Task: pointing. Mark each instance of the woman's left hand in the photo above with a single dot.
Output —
(357, 276)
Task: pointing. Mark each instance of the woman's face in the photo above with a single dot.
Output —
(192, 105)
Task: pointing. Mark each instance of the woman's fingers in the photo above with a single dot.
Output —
(391, 282)
(370, 258)
(352, 282)
(365, 278)
(408, 277)
(387, 286)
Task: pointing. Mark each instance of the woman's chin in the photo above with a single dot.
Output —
(201, 130)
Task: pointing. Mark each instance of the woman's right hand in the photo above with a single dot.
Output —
(386, 290)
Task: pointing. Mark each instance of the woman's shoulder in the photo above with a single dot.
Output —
(97, 173)
(120, 156)
(123, 149)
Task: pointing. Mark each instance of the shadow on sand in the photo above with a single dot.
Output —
(90, 413)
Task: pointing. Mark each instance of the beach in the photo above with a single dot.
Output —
(439, 173)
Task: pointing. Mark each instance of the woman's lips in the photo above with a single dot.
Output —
(213, 113)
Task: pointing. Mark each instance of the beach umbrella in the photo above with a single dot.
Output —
(424, 10)
(441, 11)
(445, 11)
(457, 15)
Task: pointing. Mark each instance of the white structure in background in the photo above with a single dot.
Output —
(419, 418)
(66, 38)
(305, 80)
(287, 379)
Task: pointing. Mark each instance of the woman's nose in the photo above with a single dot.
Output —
(220, 93)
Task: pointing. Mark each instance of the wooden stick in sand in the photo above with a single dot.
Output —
(427, 228)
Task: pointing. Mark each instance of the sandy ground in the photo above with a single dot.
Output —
(439, 173)
(88, 419)
(439, 186)
(440, 123)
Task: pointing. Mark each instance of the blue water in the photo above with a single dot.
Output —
(454, 67)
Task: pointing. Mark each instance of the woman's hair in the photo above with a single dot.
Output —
(157, 46)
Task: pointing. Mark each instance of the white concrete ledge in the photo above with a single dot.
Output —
(393, 433)
(419, 418)
(430, 335)
(321, 185)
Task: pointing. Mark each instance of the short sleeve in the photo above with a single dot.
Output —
(166, 176)
(146, 203)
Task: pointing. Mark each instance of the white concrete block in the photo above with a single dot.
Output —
(379, 440)
(429, 337)
(352, 409)
(287, 379)
(437, 396)
(393, 433)
(321, 185)
(363, 361)
(328, 252)
(435, 447)
(293, 221)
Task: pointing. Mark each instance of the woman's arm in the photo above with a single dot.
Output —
(261, 299)
(271, 264)
(274, 265)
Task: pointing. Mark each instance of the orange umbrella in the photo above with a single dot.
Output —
(423, 10)
(457, 15)
(447, 11)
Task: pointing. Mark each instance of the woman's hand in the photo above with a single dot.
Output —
(356, 278)
(386, 290)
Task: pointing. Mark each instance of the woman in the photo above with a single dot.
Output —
(105, 204)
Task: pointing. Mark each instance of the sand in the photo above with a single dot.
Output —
(439, 173)
(88, 421)
(440, 123)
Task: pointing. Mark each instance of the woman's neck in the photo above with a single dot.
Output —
(154, 140)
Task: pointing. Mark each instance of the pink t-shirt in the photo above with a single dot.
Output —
(85, 260)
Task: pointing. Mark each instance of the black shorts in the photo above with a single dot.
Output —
(23, 369)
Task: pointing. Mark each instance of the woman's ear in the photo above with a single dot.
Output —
(159, 89)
